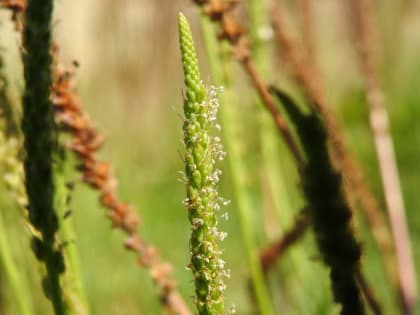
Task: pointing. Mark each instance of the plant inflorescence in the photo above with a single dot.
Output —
(56, 123)
(329, 209)
(203, 150)
(39, 132)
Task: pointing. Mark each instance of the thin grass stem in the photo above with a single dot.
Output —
(72, 282)
(275, 251)
(385, 153)
(15, 281)
(237, 167)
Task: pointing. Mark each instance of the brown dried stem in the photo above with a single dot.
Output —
(271, 107)
(233, 32)
(85, 143)
(368, 294)
(379, 122)
(273, 252)
(306, 11)
(306, 75)
(16, 7)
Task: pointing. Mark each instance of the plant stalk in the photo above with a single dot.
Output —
(386, 156)
(237, 167)
(39, 133)
(15, 281)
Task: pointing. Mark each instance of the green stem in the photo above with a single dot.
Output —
(9, 266)
(238, 170)
(38, 129)
(271, 147)
(74, 293)
(9, 167)
(258, 21)
(278, 164)
(274, 154)
(271, 150)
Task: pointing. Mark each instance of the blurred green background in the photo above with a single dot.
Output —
(130, 81)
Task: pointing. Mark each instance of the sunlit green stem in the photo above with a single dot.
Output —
(238, 169)
(72, 282)
(15, 281)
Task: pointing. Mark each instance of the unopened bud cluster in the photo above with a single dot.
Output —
(203, 202)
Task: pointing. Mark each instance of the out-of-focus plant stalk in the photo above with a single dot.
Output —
(273, 184)
(330, 212)
(385, 153)
(271, 177)
(233, 32)
(237, 167)
(306, 10)
(276, 160)
(10, 172)
(275, 251)
(306, 76)
(259, 28)
(12, 274)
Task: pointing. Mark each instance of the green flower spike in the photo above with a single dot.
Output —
(201, 177)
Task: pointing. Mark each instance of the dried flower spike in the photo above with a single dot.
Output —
(330, 212)
(39, 132)
(202, 202)
(86, 141)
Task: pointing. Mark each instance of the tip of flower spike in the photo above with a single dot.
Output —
(182, 18)
(195, 89)
(183, 25)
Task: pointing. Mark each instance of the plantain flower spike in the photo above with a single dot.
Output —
(201, 176)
